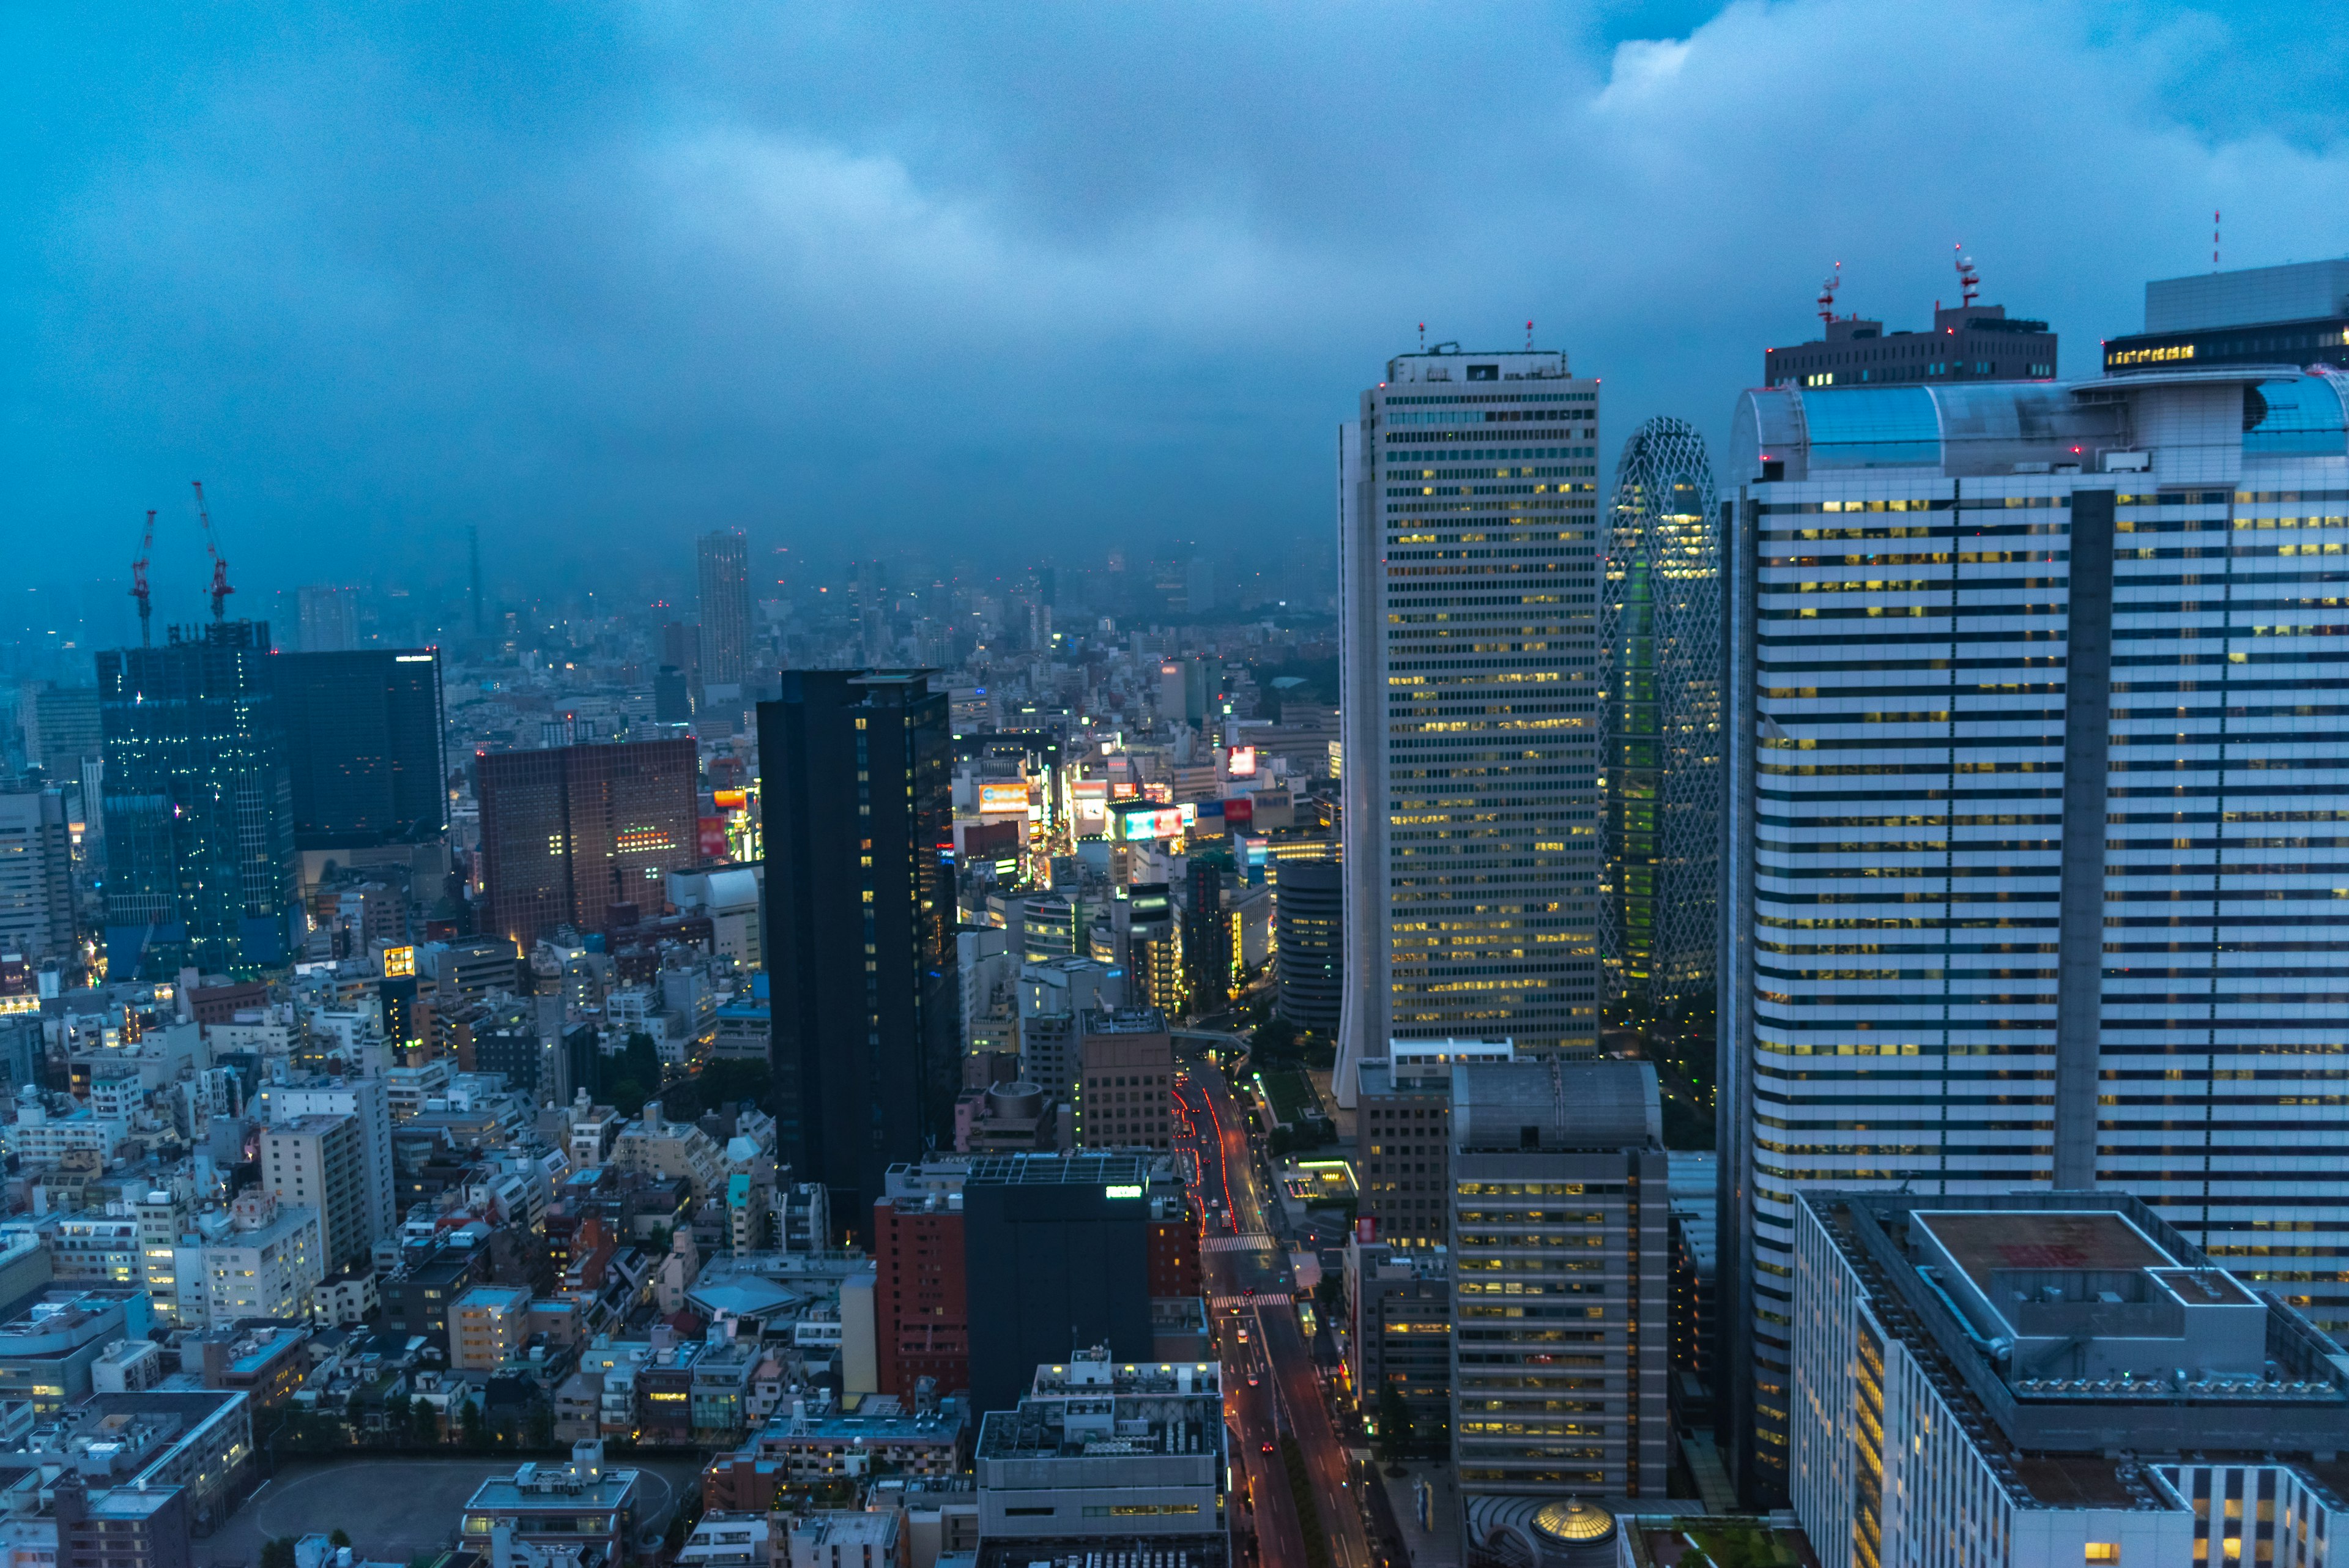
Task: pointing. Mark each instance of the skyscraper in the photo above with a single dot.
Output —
(363, 733)
(330, 619)
(858, 806)
(200, 866)
(1469, 556)
(572, 831)
(36, 904)
(1561, 1274)
(1660, 671)
(2030, 868)
(725, 607)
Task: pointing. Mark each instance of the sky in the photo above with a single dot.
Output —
(1017, 283)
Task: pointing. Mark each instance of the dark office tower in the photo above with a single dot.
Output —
(869, 587)
(2293, 315)
(1056, 1251)
(1206, 933)
(672, 696)
(1967, 342)
(1309, 955)
(681, 652)
(200, 864)
(363, 746)
(569, 831)
(1660, 673)
(330, 619)
(858, 806)
(725, 607)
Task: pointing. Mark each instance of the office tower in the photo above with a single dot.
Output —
(1125, 1079)
(199, 807)
(320, 1162)
(1153, 950)
(725, 607)
(37, 906)
(1308, 956)
(363, 733)
(2051, 1378)
(681, 650)
(2293, 315)
(1469, 556)
(920, 1303)
(672, 696)
(2022, 876)
(330, 619)
(857, 801)
(868, 589)
(1967, 342)
(1560, 1344)
(1659, 674)
(1056, 1253)
(570, 832)
(1397, 1308)
(60, 727)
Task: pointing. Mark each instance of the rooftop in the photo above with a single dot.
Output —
(1525, 1108)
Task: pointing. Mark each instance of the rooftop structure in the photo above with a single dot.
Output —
(2073, 1375)
(2293, 314)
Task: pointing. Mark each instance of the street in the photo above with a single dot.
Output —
(1247, 1283)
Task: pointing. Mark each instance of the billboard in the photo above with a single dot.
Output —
(1139, 824)
(712, 834)
(1002, 799)
(730, 799)
(1239, 811)
(399, 964)
(1241, 763)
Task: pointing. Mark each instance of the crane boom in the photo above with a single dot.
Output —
(139, 582)
(220, 589)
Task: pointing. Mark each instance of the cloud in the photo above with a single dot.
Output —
(1002, 281)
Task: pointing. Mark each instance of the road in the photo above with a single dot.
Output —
(1248, 1258)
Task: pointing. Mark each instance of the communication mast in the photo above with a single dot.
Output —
(1969, 279)
(220, 589)
(1828, 293)
(139, 582)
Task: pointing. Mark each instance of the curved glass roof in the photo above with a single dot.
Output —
(1872, 426)
(2302, 418)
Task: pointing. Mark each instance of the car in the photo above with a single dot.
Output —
(1251, 1376)
(1268, 1445)
(1243, 1334)
(1248, 1291)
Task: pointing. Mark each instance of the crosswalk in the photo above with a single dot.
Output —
(1261, 1299)
(1246, 1241)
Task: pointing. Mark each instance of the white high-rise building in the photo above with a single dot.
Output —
(37, 913)
(2034, 856)
(1470, 548)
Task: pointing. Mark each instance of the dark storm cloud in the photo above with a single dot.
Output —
(1030, 276)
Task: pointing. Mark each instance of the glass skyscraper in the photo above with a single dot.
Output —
(199, 863)
(2034, 863)
(1660, 676)
(1469, 561)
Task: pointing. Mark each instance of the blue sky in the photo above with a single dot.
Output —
(1021, 281)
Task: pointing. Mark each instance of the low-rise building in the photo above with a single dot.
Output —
(584, 1504)
(848, 1538)
(822, 1443)
(486, 1326)
(1106, 1458)
(47, 1350)
(660, 1147)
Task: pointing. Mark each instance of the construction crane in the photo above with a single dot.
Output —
(138, 583)
(221, 590)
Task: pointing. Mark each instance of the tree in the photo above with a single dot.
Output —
(538, 1426)
(277, 1553)
(475, 1429)
(340, 1537)
(426, 1419)
(1395, 1426)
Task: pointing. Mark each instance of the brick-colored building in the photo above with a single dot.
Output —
(922, 1321)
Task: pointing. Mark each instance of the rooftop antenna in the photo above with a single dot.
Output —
(2214, 239)
(1969, 279)
(1828, 293)
(1529, 337)
(220, 589)
(1422, 336)
(138, 583)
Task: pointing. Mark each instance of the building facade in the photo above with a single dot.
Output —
(200, 860)
(2027, 878)
(1560, 1344)
(363, 746)
(861, 910)
(1660, 676)
(1308, 944)
(2292, 315)
(1125, 1079)
(570, 832)
(320, 1162)
(1469, 556)
(724, 560)
(36, 904)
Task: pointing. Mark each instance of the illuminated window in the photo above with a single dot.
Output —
(2104, 1551)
